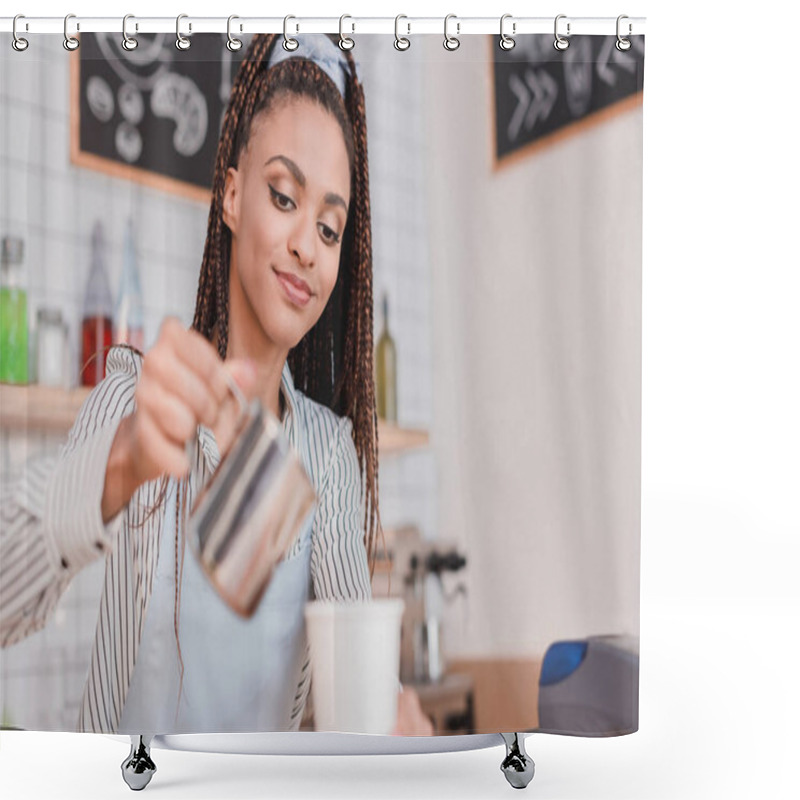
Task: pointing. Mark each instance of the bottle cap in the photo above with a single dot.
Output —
(13, 249)
(50, 316)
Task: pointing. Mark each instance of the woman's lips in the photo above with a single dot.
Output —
(296, 290)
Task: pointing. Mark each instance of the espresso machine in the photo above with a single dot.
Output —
(421, 656)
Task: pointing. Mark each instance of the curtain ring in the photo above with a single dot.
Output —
(400, 42)
(70, 42)
(451, 42)
(128, 43)
(345, 42)
(507, 42)
(181, 42)
(561, 43)
(623, 44)
(18, 43)
(233, 44)
(288, 42)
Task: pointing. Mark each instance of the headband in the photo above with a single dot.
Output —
(322, 51)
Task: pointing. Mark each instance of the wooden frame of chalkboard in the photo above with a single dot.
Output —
(188, 91)
(558, 132)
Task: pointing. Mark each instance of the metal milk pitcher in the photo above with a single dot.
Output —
(251, 509)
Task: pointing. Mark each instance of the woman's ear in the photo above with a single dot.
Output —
(230, 199)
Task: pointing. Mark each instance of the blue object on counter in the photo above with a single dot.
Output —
(561, 660)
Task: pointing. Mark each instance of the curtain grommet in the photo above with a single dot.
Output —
(507, 42)
(622, 44)
(289, 43)
(181, 42)
(346, 42)
(561, 43)
(233, 44)
(71, 43)
(17, 42)
(451, 43)
(128, 42)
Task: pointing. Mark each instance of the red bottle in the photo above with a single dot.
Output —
(97, 315)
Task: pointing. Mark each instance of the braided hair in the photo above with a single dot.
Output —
(332, 364)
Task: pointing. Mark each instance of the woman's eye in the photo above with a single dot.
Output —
(281, 200)
(329, 235)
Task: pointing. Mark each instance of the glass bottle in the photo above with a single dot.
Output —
(129, 313)
(51, 348)
(97, 311)
(386, 370)
(13, 313)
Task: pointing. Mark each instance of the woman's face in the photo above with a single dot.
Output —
(286, 206)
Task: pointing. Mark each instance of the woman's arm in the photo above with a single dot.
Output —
(52, 524)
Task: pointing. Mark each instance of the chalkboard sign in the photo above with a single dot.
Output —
(153, 114)
(541, 93)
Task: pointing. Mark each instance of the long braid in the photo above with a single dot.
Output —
(326, 369)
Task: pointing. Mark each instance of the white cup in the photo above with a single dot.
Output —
(355, 664)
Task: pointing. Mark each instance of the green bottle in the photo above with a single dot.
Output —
(13, 313)
(386, 370)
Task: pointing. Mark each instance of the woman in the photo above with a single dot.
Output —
(286, 267)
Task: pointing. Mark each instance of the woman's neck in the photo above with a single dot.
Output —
(268, 366)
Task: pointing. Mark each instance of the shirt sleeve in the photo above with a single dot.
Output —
(339, 566)
(52, 524)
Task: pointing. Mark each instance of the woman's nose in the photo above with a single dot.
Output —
(302, 242)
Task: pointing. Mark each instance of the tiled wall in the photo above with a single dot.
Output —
(53, 205)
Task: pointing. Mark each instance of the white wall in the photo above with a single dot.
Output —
(537, 368)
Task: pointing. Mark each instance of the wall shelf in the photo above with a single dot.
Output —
(46, 408)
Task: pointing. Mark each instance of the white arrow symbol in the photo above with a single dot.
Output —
(609, 54)
(531, 105)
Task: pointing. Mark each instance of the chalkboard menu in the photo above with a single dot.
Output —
(153, 114)
(541, 93)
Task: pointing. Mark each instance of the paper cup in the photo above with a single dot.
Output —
(355, 664)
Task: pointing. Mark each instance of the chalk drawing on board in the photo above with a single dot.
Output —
(178, 98)
(131, 103)
(100, 98)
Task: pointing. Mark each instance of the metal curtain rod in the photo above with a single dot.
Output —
(408, 26)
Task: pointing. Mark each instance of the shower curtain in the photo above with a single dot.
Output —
(479, 217)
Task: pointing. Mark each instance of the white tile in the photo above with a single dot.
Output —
(24, 72)
(22, 127)
(94, 200)
(56, 84)
(56, 145)
(18, 186)
(60, 201)
(153, 223)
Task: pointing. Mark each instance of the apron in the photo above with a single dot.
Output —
(239, 674)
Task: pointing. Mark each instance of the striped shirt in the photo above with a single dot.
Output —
(51, 527)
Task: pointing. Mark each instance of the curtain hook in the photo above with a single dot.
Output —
(507, 42)
(18, 43)
(70, 42)
(233, 44)
(401, 42)
(128, 43)
(181, 42)
(345, 42)
(451, 42)
(288, 42)
(622, 43)
(561, 43)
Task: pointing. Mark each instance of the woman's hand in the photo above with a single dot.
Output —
(411, 720)
(183, 383)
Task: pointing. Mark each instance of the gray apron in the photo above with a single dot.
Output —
(239, 674)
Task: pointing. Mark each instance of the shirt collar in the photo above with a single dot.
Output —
(206, 436)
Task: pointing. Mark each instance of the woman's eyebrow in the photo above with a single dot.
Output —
(331, 198)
